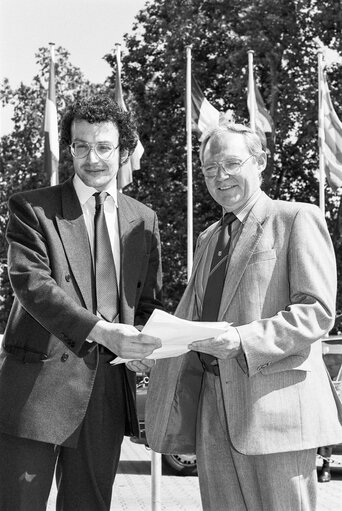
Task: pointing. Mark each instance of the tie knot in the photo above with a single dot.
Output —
(100, 197)
(228, 219)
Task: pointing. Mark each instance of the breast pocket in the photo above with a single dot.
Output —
(265, 255)
(258, 285)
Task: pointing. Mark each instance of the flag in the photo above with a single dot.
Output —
(331, 139)
(203, 115)
(125, 174)
(51, 145)
(255, 103)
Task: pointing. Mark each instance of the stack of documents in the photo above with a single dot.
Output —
(176, 334)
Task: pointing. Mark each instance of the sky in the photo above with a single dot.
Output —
(88, 29)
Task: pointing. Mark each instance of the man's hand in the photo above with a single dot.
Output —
(124, 340)
(226, 345)
(140, 366)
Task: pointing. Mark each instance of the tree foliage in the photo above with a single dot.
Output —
(284, 36)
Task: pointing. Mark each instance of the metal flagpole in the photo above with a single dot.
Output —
(156, 474)
(189, 164)
(321, 132)
(252, 99)
(51, 144)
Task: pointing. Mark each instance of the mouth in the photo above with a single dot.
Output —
(93, 170)
(226, 187)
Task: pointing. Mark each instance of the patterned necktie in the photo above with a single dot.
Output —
(213, 291)
(107, 296)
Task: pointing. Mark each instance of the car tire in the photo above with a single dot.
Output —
(180, 464)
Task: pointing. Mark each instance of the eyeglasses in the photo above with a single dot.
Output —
(232, 168)
(103, 150)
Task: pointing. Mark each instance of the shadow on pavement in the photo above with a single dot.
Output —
(143, 468)
(134, 467)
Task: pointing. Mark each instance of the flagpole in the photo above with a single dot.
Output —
(251, 90)
(51, 143)
(189, 164)
(156, 472)
(321, 132)
(156, 463)
(120, 101)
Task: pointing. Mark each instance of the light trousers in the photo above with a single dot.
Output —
(230, 481)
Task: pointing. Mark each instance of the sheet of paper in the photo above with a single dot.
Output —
(176, 334)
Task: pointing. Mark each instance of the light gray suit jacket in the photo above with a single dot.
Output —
(47, 369)
(280, 294)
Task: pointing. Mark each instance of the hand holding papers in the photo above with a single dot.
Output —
(176, 334)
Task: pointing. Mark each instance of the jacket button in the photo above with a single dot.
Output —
(68, 277)
(64, 357)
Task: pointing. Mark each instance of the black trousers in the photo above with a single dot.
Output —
(85, 474)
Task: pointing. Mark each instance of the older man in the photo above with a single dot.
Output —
(84, 264)
(255, 402)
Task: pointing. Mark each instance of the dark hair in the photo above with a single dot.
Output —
(99, 108)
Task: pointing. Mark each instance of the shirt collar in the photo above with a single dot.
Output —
(242, 213)
(84, 192)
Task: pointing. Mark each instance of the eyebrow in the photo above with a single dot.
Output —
(101, 141)
(229, 158)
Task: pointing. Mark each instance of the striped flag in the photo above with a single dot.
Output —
(263, 120)
(203, 114)
(330, 137)
(125, 174)
(51, 145)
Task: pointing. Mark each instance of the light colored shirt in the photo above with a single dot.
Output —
(205, 263)
(86, 197)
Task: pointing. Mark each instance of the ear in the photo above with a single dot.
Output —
(262, 161)
(123, 157)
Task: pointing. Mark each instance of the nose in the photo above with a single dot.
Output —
(221, 174)
(92, 156)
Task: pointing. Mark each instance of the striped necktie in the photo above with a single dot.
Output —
(107, 296)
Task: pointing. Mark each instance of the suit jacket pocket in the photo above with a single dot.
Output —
(25, 355)
(263, 256)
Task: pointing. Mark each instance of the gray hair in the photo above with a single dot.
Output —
(255, 141)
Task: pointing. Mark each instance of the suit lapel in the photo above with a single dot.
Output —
(132, 241)
(73, 233)
(186, 306)
(244, 249)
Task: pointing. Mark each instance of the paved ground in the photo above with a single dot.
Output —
(132, 488)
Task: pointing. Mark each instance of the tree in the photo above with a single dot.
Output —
(284, 38)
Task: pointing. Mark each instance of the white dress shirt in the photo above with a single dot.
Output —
(86, 197)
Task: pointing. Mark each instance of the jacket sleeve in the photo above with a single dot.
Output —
(33, 283)
(312, 290)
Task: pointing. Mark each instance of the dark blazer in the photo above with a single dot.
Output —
(47, 369)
